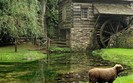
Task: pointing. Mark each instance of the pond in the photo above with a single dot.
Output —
(57, 68)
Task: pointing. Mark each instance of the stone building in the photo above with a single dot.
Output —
(90, 23)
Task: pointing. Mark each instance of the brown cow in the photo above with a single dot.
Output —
(102, 75)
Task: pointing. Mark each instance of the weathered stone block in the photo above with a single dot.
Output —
(80, 38)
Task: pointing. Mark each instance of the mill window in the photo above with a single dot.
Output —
(84, 13)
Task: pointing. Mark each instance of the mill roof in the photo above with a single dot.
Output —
(116, 9)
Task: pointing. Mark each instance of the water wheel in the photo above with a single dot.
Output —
(108, 28)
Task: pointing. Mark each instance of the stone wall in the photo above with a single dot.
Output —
(82, 31)
(81, 38)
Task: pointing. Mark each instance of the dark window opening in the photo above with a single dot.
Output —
(84, 13)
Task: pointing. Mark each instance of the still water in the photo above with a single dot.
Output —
(57, 68)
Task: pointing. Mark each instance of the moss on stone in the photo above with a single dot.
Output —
(122, 40)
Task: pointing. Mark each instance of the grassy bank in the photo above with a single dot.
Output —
(118, 55)
(57, 49)
(26, 53)
(124, 79)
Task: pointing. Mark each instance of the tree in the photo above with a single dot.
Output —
(19, 18)
(52, 17)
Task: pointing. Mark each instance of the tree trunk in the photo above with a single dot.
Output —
(16, 47)
(43, 29)
(42, 18)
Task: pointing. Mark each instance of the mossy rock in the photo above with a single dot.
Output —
(122, 40)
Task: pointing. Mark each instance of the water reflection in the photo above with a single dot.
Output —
(72, 68)
(57, 68)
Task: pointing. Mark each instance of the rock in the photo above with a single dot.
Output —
(122, 40)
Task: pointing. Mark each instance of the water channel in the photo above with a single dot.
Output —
(57, 68)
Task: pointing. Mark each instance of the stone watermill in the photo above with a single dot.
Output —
(90, 23)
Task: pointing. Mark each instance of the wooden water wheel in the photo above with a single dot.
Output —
(108, 28)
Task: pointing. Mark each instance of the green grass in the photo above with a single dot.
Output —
(25, 53)
(118, 55)
(124, 79)
(59, 49)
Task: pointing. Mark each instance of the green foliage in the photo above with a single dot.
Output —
(123, 40)
(52, 17)
(19, 17)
